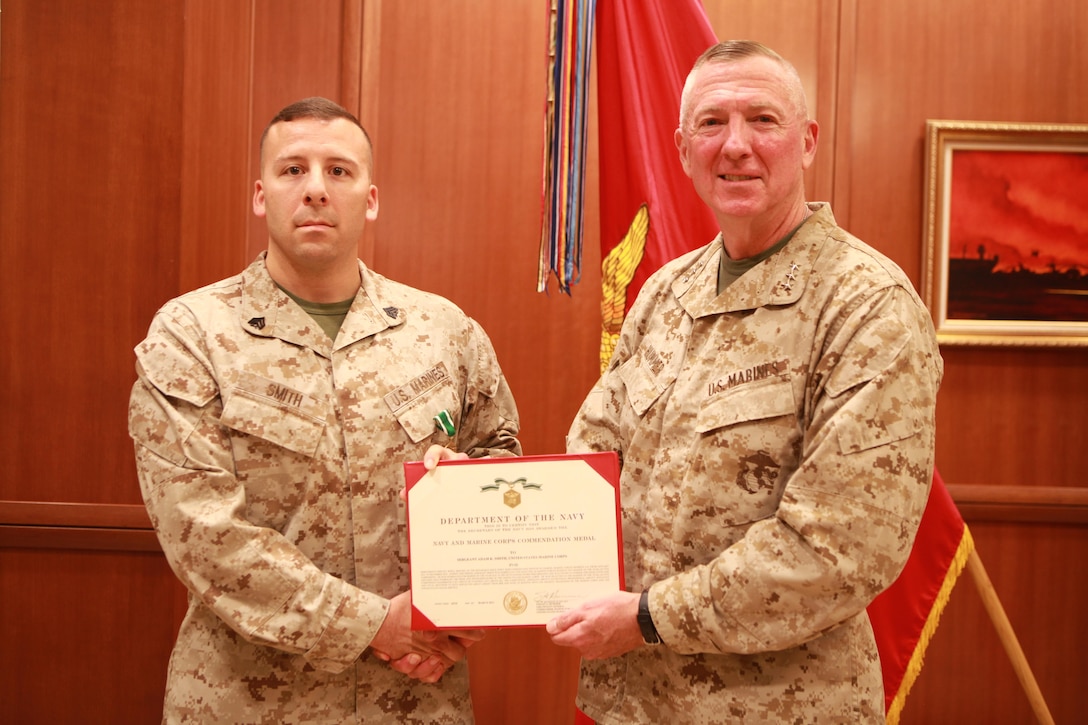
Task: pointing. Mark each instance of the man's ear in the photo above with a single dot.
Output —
(682, 148)
(258, 198)
(371, 203)
(812, 135)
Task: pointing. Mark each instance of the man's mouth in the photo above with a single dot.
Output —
(737, 177)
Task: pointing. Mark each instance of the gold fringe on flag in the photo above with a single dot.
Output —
(914, 667)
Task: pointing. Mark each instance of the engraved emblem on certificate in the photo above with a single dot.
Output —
(515, 602)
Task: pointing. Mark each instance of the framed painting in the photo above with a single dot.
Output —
(1006, 233)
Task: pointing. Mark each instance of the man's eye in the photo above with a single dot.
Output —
(339, 171)
(294, 170)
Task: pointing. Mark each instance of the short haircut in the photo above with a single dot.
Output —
(732, 51)
(313, 107)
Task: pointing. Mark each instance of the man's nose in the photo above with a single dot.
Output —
(315, 190)
(737, 140)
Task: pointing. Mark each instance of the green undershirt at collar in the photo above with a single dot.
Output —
(730, 270)
(328, 315)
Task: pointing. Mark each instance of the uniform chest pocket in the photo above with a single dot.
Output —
(747, 445)
(275, 413)
(417, 417)
(769, 398)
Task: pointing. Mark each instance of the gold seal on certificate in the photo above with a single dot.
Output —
(514, 602)
(511, 542)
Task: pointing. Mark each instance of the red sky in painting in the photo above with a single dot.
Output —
(1029, 208)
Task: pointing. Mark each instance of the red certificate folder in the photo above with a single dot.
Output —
(511, 542)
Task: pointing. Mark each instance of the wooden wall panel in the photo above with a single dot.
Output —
(91, 216)
(1039, 572)
(1009, 417)
(86, 635)
(1003, 414)
(935, 59)
(459, 150)
(297, 52)
(215, 114)
(459, 118)
(89, 153)
(1013, 417)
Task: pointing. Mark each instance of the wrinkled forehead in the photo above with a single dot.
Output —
(336, 138)
(757, 81)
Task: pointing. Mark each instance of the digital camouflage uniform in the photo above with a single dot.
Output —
(777, 452)
(270, 460)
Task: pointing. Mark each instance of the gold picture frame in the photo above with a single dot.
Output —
(1006, 233)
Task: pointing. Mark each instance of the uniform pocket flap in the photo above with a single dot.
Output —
(642, 388)
(176, 372)
(276, 413)
(769, 398)
(875, 421)
(418, 417)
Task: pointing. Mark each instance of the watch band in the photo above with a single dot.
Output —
(645, 621)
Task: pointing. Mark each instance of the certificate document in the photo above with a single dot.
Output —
(511, 542)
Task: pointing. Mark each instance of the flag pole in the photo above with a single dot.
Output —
(1005, 633)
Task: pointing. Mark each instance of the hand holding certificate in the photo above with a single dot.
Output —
(511, 542)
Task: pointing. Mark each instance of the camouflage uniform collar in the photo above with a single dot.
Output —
(266, 311)
(371, 312)
(778, 280)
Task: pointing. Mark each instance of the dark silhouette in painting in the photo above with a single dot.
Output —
(1018, 236)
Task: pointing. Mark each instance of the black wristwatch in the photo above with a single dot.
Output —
(645, 621)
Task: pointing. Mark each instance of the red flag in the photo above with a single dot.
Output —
(650, 212)
(905, 615)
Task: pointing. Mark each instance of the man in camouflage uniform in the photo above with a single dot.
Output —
(772, 399)
(271, 417)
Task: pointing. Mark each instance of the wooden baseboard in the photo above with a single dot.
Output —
(68, 525)
(1021, 504)
(126, 527)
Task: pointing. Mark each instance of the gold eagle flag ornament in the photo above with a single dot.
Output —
(617, 271)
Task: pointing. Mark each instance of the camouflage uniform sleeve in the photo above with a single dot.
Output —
(489, 421)
(252, 577)
(849, 512)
